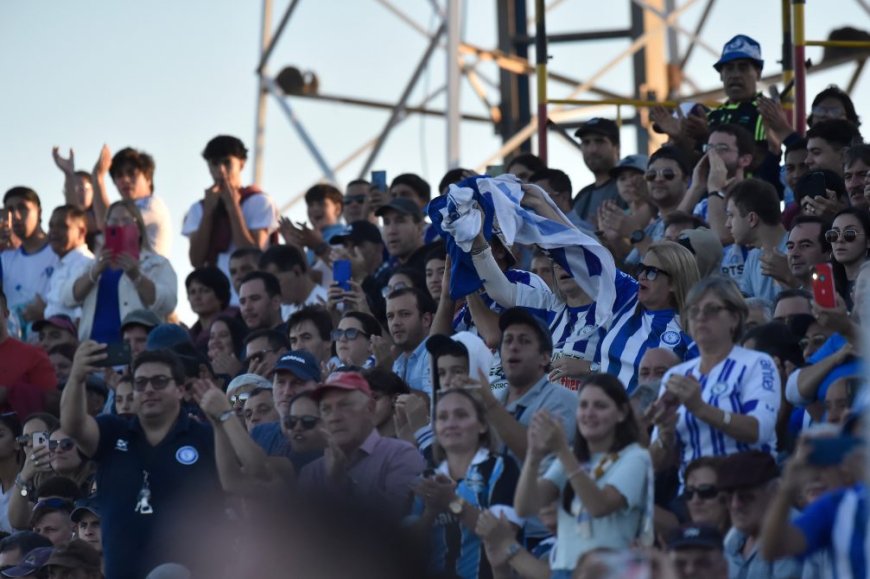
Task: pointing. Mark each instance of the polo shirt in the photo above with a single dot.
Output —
(590, 198)
(181, 469)
(544, 395)
(756, 284)
(415, 368)
(754, 566)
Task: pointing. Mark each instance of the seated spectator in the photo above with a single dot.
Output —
(696, 551)
(19, 544)
(51, 520)
(310, 329)
(259, 408)
(409, 317)
(112, 286)
(67, 230)
(466, 452)
(806, 248)
(457, 360)
(290, 268)
(226, 345)
(303, 429)
(827, 143)
(55, 331)
(599, 144)
(840, 398)
(706, 502)
(680, 221)
(97, 394)
(31, 565)
(354, 340)
(126, 403)
(759, 312)
(362, 245)
(558, 186)
(132, 172)
(324, 204)
(705, 247)
(453, 177)
(608, 506)
(403, 233)
(792, 303)
(78, 191)
(404, 277)
(76, 558)
(86, 518)
(242, 262)
(208, 292)
(260, 301)
(61, 358)
(849, 237)
(824, 206)
(542, 266)
(357, 205)
(386, 389)
(239, 390)
(524, 165)
(654, 365)
(135, 328)
(10, 433)
(263, 348)
(434, 270)
(832, 103)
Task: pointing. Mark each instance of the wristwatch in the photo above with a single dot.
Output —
(512, 551)
(456, 505)
(225, 415)
(718, 194)
(637, 236)
(24, 488)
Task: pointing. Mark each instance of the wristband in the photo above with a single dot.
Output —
(225, 415)
(726, 418)
(479, 250)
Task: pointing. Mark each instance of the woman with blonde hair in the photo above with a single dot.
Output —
(116, 283)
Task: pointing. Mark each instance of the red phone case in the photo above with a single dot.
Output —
(823, 286)
(123, 239)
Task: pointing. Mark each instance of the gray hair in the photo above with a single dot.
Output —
(726, 290)
(761, 304)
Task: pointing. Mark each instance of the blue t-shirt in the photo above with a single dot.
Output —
(107, 314)
(849, 368)
(837, 522)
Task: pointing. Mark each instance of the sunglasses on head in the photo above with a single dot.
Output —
(666, 174)
(388, 289)
(157, 382)
(64, 444)
(348, 334)
(705, 492)
(308, 422)
(236, 398)
(651, 272)
(848, 235)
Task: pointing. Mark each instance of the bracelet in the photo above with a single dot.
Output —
(479, 250)
(726, 418)
(575, 472)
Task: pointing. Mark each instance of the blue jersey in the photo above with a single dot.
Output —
(462, 319)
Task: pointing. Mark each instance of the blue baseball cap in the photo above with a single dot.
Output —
(166, 336)
(740, 47)
(31, 563)
(300, 363)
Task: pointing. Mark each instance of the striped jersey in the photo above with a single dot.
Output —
(837, 522)
(573, 327)
(462, 321)
(746, 382)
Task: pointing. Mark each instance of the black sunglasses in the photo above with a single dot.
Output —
(651, 272)
(848, 235)
(348, 334)
(308, 422)
(157, 382)
(666, 174)
(705, 492)
(354, 199)
(64, 444)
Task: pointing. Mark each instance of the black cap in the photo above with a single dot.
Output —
(746, 470)
(695, 537)
(440, 345)
(599, 126)
(520, 315)
(402, 205)
(357, 232)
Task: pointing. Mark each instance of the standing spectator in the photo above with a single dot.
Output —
(403, 233)
(409, 317)
(354, 340)
(78, 192)
(412, 187)
(696, 551)
(135, 328)
(242, 262)
(260, 408)
(832, 103)
(112, 286)
(226, 344)
(126, 403)
(67, 229)
(132, 172)
(387, 388)
(289, 266)
(230, 216)
(599, 143)
(147, 478)
(324, 204)
(795, 162)
(603, 482)
(239, 390)
(75, 559)
(436, 261)
(362, 245)
(28, 266)
(357, 205)
(827, 143)
(86, 518)
(806, 247)
(55, 331)
(51, 520)
(208, 291)
(706, 502)
(849, 237)
(10, 431)
(263, 348)
(634, 193)
(739, 69)
(260, 301)
(19, 545)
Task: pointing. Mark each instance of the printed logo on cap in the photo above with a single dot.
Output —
(187, 455)
(293, 359)
(744, 45)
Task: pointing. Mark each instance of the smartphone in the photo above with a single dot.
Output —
(39, 439)
(341, 273)
(123, 239)
(379, 180)
(645, 395)
(815, 185)
(118, 355)
(823, 285)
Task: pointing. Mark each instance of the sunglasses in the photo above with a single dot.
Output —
(651, 272)
(354, 199)
(708, 311)
(848, 235)
(348, 334)
(65, 444)
(236, 398)
(24, 439)
(308, 422)
(666, 174)
(157, 382)
(257, 357)
(705, 492)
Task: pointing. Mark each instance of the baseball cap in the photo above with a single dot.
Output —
(519, 315)
(441, 344)
(84, 507)
(254, 380)
(705, 246)
(166, 336)
(343, 381)
(631, 162)
(300, 363)
(600, 126)
(145, 318)
(740, 47)
(745, 470)
(76, 554)
(695, 537)
(402, 205)
(30, 564)
(61, 321)
(357, 232)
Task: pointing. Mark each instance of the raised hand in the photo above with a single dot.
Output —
(672, 126)
(104, 161)
(85, 359)
(437, 492)
(210, 398)
(68, 166)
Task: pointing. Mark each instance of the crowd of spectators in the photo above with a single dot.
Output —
(398, 389)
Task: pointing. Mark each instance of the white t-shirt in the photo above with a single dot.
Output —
(69, 267)
(317, 297)
(25, 275)
(158, 223)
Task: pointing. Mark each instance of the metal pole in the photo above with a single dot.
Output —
(800, 67)
(262, 93)
(454, 28)
(787, 57)
(541, 76)
(270, 46)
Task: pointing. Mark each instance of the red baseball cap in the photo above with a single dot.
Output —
(343, 381)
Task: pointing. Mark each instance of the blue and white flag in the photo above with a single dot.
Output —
(494, 205)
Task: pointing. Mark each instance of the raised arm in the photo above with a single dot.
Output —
(101, 195)
(201, 237)
(68, 168)
(779, 536)
(74, 417)
(533, 493)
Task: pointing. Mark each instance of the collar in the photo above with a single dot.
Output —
(480, 456)
(371, 441)
(181, 424)
(77, 252)
(421, 348)
(530, 395)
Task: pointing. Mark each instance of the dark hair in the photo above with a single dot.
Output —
(415, 182)
(22, 192)
(485, 439)
(140, 160)
(759, 197)
(72, 212)
(823, 228)
(245, 252)
(323, 191)
(676, 155)
(452, 177)
(683, 218)
(745, 141)
(425, 303)
(213, 278)
(59, 486)
(627, 431)
(237, 329)
(789, 293)
(418, 279)
(711, 462)
(839, 133)
(558, 180)
(66, 350)
(318, 316)
(276, 339)
(369, 322)
(136, 214)
(259, 390)
(24, 541)
(530, 160)
(302, 395)
(12, 422)
(437, 251)
(776, 340)
(270, 282)
(224, 146)
(857, 153)
(50, 420)
(385, 382)
(284, 257)
(165, 357)
(796, 145)
(359, 182)
(833, 91)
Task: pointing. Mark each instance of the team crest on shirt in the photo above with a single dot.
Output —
(587, 331)
(121, 445)
(187, 455)
(671, 338)
(474, 481)
(719, 388)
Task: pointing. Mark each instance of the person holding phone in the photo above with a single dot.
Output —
(122, 279)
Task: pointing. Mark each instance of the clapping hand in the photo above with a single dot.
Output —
(546, 435)
(498, 534)
(687, 390)
(437, 492)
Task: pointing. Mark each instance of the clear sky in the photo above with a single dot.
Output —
(167, 75)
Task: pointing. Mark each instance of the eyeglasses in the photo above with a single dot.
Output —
(308, 422)
(829, 111)
(705, 492)
(847, 235)
(257, 357)
(708, 311)
(236, 398)
(348, 199)
(816, 341)
(388, 289)
(651, 272)
(718, 147)
(348, 334)
(157, 382)
(666, 174)
(64, 444)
